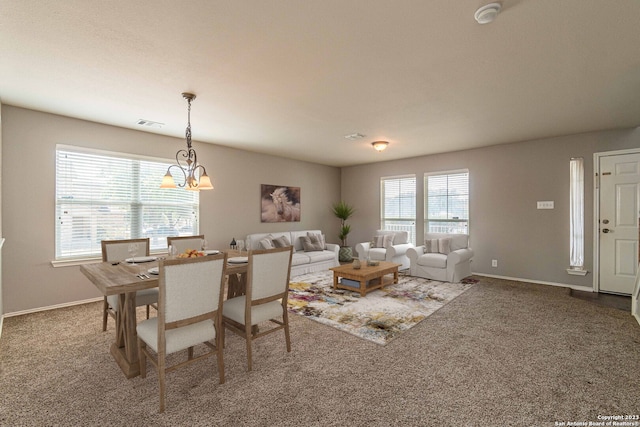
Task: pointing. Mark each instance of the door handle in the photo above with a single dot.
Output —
(606, 230)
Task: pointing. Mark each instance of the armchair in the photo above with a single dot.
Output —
(395, 249)
(445, 257)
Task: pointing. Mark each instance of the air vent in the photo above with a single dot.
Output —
(149, 123)
(354, 136)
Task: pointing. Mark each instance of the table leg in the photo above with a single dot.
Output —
(363, 288)
(395, 276)
(335, 280)
(125, 348)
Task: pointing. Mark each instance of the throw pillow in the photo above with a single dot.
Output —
(377, 241)
(281, 242)
(444, 245)
(320, 238)
(387, 240)
(311, 243)
(431, 246)
(266, 243)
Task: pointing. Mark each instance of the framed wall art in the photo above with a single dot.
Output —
(280, 203)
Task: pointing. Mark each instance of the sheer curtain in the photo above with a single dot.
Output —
(576, 195)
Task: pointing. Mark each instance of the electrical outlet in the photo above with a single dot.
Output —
(545, 204)
(494, 263)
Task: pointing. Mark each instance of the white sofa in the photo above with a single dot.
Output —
(451, 267)
(396, 251)
(302, 262)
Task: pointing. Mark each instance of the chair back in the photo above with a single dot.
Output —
(399, 237)
(191, 289)
(183, 243)
(268, 274)
(118, 250)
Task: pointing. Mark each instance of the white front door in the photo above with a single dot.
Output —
(618, 222)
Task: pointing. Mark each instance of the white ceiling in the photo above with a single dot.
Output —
(292, 77)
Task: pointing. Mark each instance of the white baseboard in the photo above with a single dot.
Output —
(539, 282)
(1, 321)
(52, 307)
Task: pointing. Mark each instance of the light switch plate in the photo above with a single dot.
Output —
(545, 204)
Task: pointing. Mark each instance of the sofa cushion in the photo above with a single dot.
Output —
(312, 242)
(320, 256)
(400, 237)
(300, 258)
(444, 245)
(281, 242)
(458, 241)
(266, 243)
(431, 246)
(377, 254)
(296, 241)
(433, 260)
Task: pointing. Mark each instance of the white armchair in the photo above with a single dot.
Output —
(395, 249)
(445, 257)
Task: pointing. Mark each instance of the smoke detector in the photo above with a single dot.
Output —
(487, 13)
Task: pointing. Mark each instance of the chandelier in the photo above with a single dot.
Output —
(187, 162)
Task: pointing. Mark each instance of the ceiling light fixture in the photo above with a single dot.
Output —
(191, 159)
(380, 145)
(487, 13)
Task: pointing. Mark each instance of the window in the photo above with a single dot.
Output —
(399, 205)
(576, 215)
(447, 202)
(104, 196)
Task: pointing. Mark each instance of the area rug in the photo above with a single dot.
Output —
(381, 315)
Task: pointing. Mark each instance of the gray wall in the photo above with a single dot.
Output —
(232, 209)
(505, 183)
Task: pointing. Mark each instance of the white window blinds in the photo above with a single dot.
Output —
(399, 205)
(105, 196)
(447, 203)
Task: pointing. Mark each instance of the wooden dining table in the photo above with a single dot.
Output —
(122, 279)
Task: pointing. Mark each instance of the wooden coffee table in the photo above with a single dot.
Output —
(369, 277)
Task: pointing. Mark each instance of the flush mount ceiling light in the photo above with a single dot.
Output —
(190, 167)
(487, 13)
(380, 145)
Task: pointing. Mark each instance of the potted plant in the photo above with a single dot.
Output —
(344, 211)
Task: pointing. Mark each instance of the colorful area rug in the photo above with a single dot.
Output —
(380, 316)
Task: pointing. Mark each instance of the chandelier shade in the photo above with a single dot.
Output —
(194, 176)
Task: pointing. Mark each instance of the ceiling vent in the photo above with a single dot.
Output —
(354, 136)
(149, 123)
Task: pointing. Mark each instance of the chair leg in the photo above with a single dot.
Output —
(190, 353)
(142, 358)
(147, 311)
(161, 378)
(219, 352)
(249, 337)
(285, 320)
(105, 314)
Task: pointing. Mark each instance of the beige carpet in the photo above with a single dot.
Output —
(501, 354)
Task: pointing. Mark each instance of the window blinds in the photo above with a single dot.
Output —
(106, 196)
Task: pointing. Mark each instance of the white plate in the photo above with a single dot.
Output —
(238, 260)
(211, 252)
(142, 259)
(154, 270)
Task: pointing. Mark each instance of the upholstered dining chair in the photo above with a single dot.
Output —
(189, 313)
(118, 250)
(183, 243)
(267, 291)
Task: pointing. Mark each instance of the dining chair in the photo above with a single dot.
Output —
(265, 298)
(118, 250)
(183, 243)
(189, 313)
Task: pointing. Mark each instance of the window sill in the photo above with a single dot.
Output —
(574, 272)
(82, 261)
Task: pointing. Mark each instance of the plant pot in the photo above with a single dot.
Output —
(345, 254)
